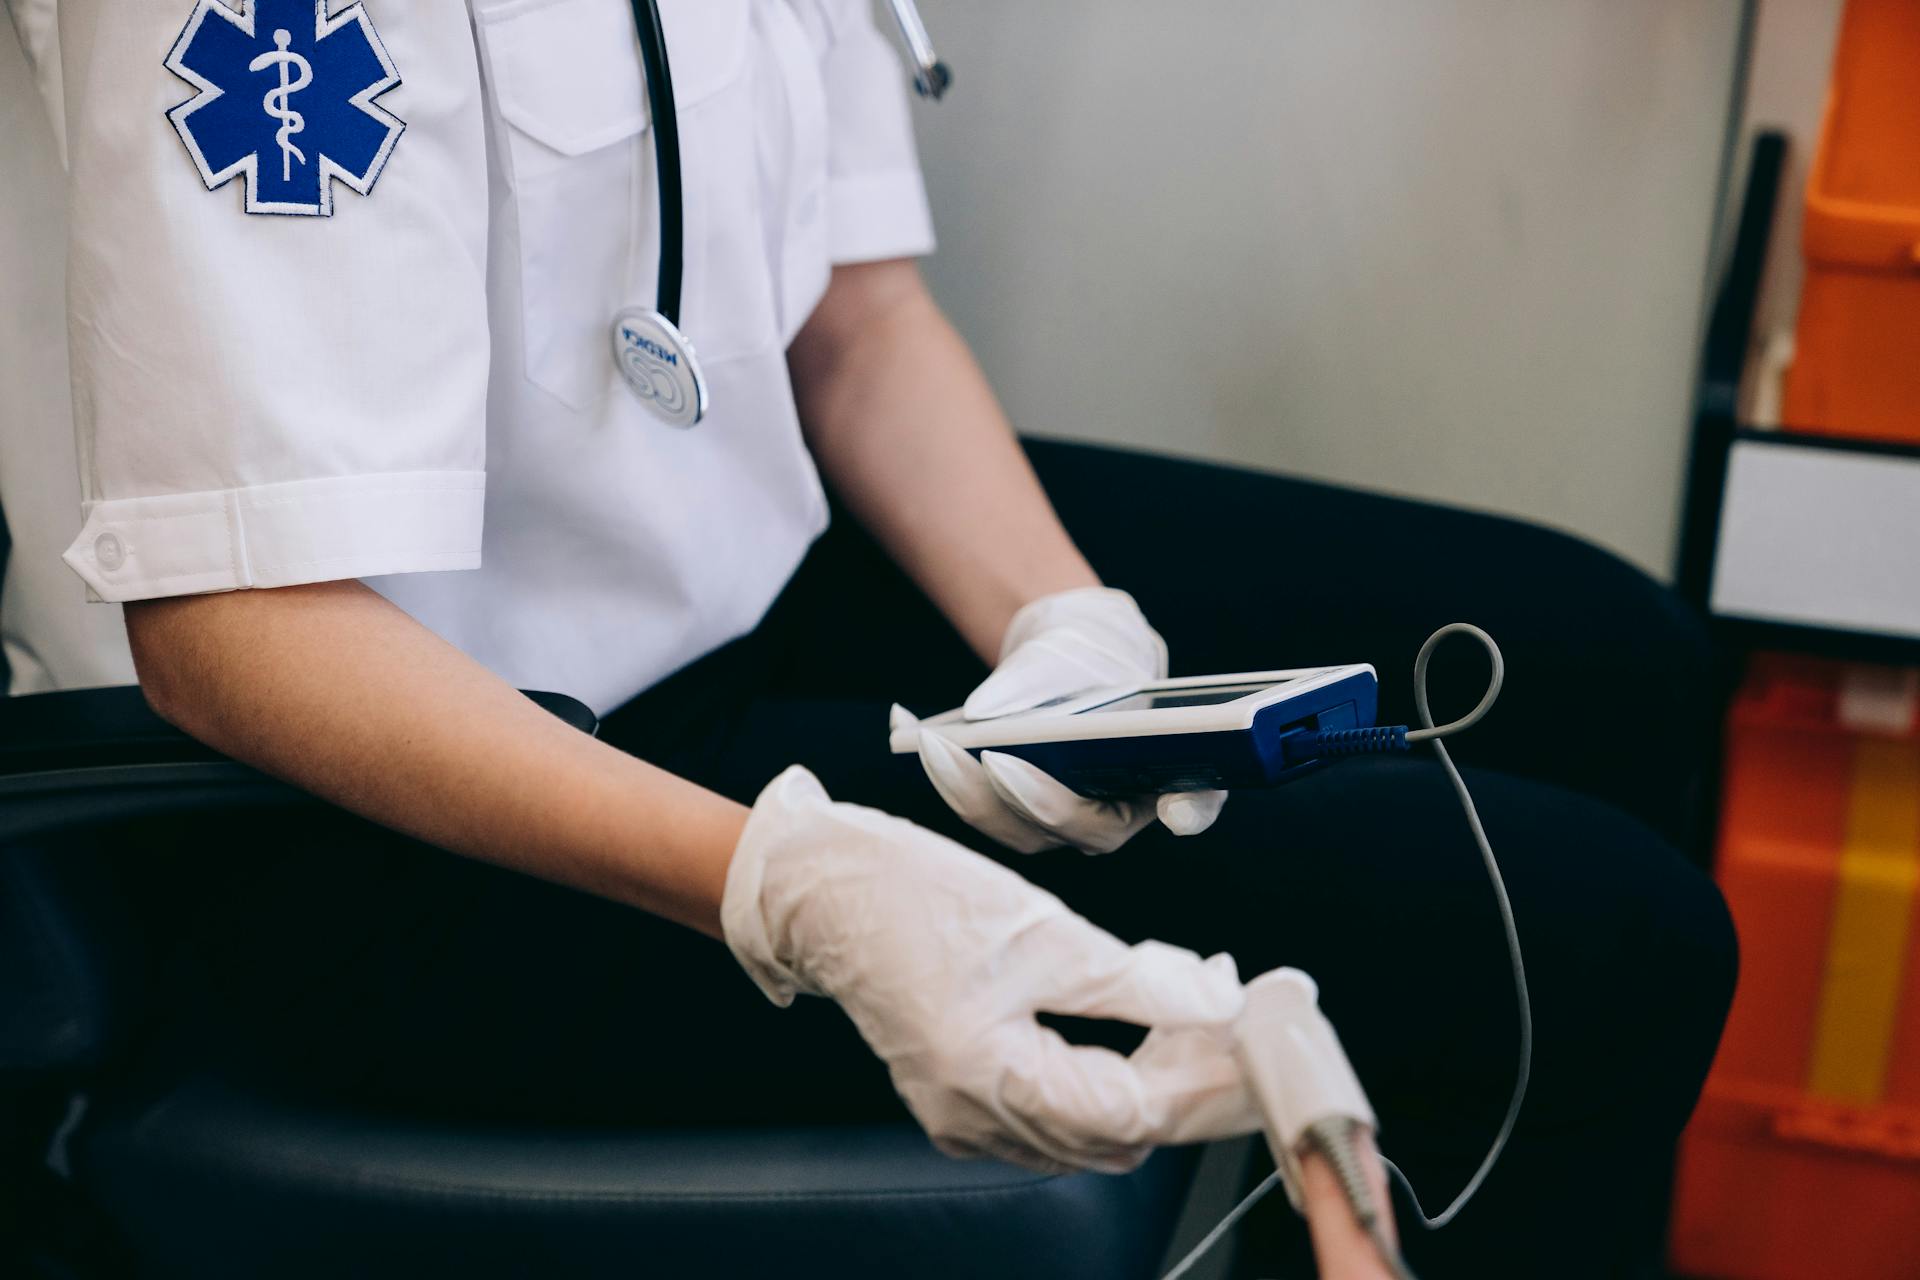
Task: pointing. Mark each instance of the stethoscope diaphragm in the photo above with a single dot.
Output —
(660, 366)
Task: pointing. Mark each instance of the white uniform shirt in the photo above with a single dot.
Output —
(422, 380)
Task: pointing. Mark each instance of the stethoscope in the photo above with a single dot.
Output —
(654, 356)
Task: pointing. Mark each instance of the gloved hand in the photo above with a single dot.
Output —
(1057, 647)
(942, 957)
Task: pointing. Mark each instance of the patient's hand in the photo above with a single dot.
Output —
(1339, 1245)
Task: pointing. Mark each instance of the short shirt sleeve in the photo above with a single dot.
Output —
(876, 199)
(277, 229)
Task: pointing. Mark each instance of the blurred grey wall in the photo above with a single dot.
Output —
(1450, 248)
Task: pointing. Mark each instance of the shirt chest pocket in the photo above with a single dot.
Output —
(577, 162)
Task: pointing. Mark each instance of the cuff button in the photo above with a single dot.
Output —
(109, 551)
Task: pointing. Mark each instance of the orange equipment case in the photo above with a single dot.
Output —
(1804, 1156)
(1856, 364)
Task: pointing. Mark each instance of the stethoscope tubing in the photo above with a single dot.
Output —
(666, 157)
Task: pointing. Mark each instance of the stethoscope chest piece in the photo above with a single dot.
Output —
(659, 366)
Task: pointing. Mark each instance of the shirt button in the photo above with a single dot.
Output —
(109, 551)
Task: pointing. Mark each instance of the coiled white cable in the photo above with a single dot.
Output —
(1429, 732)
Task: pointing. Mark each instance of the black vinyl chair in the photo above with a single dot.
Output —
(181, 1172)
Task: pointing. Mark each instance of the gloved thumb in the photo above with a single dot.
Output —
(1149, 984)
(1035, 673)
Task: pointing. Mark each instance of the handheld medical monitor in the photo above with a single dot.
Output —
(1185, 734)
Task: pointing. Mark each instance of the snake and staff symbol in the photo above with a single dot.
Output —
(291, 121)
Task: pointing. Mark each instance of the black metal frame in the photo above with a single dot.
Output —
(1716, 429)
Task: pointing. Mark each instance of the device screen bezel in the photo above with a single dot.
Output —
(1066, 721)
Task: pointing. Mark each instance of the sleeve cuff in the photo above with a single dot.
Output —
(280, 535)
(875, 216)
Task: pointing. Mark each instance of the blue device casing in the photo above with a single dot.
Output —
(1229, 758)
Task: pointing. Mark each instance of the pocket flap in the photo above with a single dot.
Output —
(568, 72)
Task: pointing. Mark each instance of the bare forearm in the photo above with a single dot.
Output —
(334, 689)
(910, 435)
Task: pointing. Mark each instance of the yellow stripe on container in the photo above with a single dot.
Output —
(1872, 914)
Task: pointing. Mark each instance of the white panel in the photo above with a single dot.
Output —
(1820, 538)
(1449, 248)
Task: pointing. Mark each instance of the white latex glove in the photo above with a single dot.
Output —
(942, 957)
(1057, 647)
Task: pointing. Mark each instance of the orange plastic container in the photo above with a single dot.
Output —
(1856, 364)
(1803, 1159)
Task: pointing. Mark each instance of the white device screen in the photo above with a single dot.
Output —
(1159, 700)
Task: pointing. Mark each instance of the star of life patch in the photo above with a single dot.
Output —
(286, 100)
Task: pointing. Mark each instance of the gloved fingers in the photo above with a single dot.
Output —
(1084, 1102)
(1047, 804)
(1007, 1151)
(968, 1117)
(1099, 1158)
(1194, 1074)
(1092, 974)
(1188, 813)
(1048, 1149)
(1107, 1112)
(963, 783)
(1092, 825)
(1033, 1100)
(986, 1144)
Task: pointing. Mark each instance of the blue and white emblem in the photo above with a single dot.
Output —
(286, 100)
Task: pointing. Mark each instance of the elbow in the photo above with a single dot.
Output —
(192, 653)
(158, 660)
(858, 299)
(867, 294)
(865, 310)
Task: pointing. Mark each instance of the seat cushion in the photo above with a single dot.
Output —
(206, 1179)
